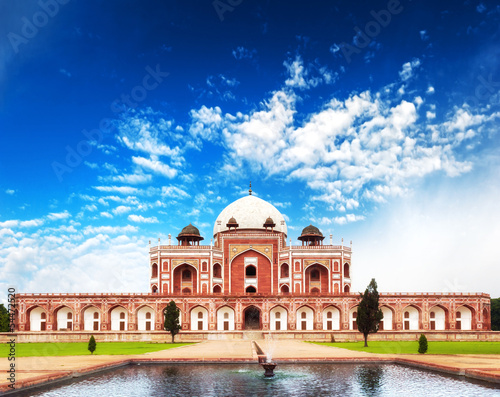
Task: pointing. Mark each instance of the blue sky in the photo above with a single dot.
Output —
(123, 121)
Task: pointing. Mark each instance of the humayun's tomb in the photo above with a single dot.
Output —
(248, 278)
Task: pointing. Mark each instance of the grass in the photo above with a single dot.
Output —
(411, 347)
(80, 348)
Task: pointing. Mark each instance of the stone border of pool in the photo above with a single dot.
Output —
(47, 375)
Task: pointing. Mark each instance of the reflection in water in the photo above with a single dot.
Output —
(370, 379)
(315, 380)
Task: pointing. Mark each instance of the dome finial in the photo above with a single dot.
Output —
(250, 190)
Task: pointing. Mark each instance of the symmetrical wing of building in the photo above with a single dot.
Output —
(248, 278)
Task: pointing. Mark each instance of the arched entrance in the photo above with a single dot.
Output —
(252, 318)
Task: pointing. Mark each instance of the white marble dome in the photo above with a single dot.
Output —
(250, 212)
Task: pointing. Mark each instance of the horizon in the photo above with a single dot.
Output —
(121, 123)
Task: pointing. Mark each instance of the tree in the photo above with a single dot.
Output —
(495, 314)
(92, 345)
(4, 319)
(369, 315)
(422, 344)
(171, 314)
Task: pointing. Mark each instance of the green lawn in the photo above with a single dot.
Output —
(80, 348)
(412, 347)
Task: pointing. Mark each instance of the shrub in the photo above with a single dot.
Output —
(422, 344)
(92, 345)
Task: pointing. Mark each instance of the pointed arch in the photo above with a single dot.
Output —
(240, 278)
(154, 270)
(439, 318)
(347, 270)
(199, 318)
(331, 318)
(284, 270)
(387, 323)
(252, 317)
(92, 317)
(119, 317)
(225, 318)
(353, 314)
(217, 270)
(465, 321)
(278, 318)
(37, 316)
(486, 320)
(316, 278)
(63, 318)
(185, 279)
(305, 318)
(412, 318)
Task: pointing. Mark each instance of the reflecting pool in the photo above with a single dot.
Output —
(248, 380)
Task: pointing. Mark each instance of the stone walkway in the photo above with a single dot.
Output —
(35, 370)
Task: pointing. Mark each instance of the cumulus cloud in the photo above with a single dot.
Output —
(141, 219)
(364, 147)
(59, 215)
(409, 69)
(33, 261)
(174, 192)
(155, 165)
(149, 132)
(305, 77)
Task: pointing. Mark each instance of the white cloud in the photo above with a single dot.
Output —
(109, 229)
(131, 178)
(22, 224)
(10, 191)
(156, 166)
(303, 77)
(121, 209)
(59, 215)
(206, 124)
(149, 132)
(34, 261)
(408, 69)
(244, 53)
(141, 219)
(174, 192)
(118, 189)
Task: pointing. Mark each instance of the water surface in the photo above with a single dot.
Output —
(248, 380)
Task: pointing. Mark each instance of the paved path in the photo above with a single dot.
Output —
(35, 370)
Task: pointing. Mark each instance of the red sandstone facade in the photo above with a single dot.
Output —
(248, 278)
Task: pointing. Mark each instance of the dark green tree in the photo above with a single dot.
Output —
(495, 314)
(171, 315)
(4, 319)
(369, 314)
(92, 345)
(422, 344)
